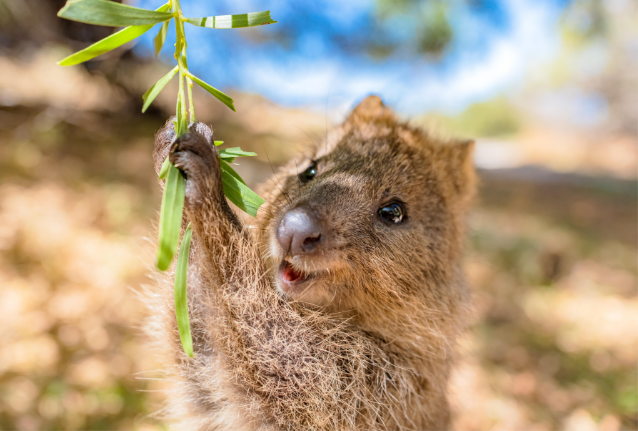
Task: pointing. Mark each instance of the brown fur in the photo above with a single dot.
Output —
(368, 345)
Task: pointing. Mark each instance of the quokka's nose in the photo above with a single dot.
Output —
(299, 232)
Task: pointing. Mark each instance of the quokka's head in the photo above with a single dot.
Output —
(372, 216)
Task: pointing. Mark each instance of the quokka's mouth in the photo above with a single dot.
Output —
(291, 278)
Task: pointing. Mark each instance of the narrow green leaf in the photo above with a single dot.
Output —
(109, 43)
(191, 100)
(225, 99)
(233, 21)
(218, 143)
(176, 123)
(105, 45)
(231, 171)
(181, 297)
(237, 192)
(159, 40)
(104, 12)
(152, 92)
(231, 153)
(170, 217)
(181, 120)
(164, 169)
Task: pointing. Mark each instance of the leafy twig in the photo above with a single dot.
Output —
(139, 21)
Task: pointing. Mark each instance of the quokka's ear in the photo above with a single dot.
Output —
(370, 109)
(457, 162)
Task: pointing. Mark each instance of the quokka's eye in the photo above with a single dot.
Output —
(392, 213)
(309, 173)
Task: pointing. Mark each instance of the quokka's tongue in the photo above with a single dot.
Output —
(290, 274)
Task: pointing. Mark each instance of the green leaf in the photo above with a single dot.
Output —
(231, 171)
(105, 45)
(152, 92)
(164, 169)
(237, 192)
(170, 217)
(218, 143)
(233, 21)
(225, 99)
(181, 124)
(109, 43)
(181, 298)
(160, 38)
(104, 12)
(231, 153)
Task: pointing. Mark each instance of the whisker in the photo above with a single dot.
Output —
(275, 175)
(298, 180)
(314, 142)
(325, 139)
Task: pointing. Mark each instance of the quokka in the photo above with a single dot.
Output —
(341, 309)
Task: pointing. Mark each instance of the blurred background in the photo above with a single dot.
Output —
(549, 89)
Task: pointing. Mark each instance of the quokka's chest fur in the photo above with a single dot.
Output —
(341, 310)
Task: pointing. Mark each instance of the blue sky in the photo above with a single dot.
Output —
(315, 57)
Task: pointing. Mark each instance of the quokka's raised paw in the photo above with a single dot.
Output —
(195, 155)
(164, 138)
